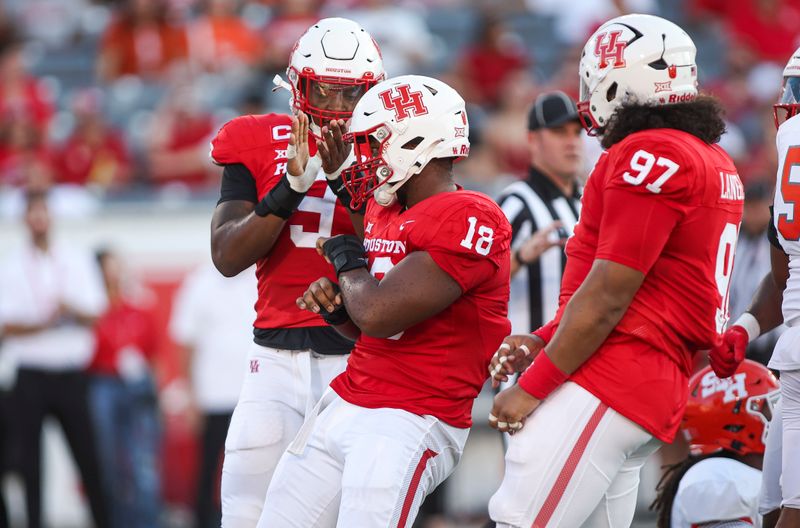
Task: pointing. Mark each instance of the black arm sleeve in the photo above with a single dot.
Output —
(238, 183)
(772, 233)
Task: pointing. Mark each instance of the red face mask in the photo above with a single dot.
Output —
(324, 99)
(789, 105)
(369, 171)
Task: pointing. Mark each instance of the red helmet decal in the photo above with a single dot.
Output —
(402, 100)
(608, 46)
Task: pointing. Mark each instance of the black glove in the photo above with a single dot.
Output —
(346, 252)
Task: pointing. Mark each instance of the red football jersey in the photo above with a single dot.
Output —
(438, 366)
(669, 205)
(259, 142)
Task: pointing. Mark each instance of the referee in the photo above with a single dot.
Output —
(543, 210)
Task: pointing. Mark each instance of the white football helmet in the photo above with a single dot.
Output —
(789, 100)
(398, 127)
(640, 58)
(331, 66)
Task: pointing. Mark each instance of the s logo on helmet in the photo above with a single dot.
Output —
(403, 101)
(733, 387)
(608, 46)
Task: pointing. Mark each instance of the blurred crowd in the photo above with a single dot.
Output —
(119, 99)
(106, 101)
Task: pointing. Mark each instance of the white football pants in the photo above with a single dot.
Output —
(790, 459)
(360, 467)
(280, 388)
(575, 463)
(771, 495)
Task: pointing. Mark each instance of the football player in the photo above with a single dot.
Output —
(778, 300)
(644, 288)
(274, 204)
(425, 296)
(726, 424)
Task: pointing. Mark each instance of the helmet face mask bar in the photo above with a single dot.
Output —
(325, 99)
(730, 414)
(369, 172)
(789, 104)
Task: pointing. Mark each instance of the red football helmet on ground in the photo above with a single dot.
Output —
(731, 413)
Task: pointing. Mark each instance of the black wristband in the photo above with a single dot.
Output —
(336, 317)
(346, 252)
(281, 201)
(341, 192)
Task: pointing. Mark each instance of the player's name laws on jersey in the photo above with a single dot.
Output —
(381, 245)
(731, 187)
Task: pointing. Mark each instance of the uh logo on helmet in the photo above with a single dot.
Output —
(634, 58)
(731, 413)
(398, 127)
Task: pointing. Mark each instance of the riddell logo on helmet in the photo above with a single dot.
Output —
(607, 46)
(403, 102)
(337, 70)
(682, 98)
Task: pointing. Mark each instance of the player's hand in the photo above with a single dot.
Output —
(301, 171)
(511, 408)
(539, 242)
(726, 356)
(321, 294)
(297, 153)
(332, 148)
(515, 355)
(321, 252)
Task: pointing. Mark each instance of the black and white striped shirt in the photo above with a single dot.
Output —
(531, 205)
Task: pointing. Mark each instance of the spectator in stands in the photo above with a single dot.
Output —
(577, 19)
(496, 55)
(141, 41)
(406, 43)
(123, 401)
(505, 132)
(220, 40)
(52, 294)
(25, 113)
(178, 142)
(25, 160)
(94, 154)
(209, 321)
(291, 21)
(768, 27)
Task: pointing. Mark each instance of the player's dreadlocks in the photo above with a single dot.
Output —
(701, 117)
(667, 487)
